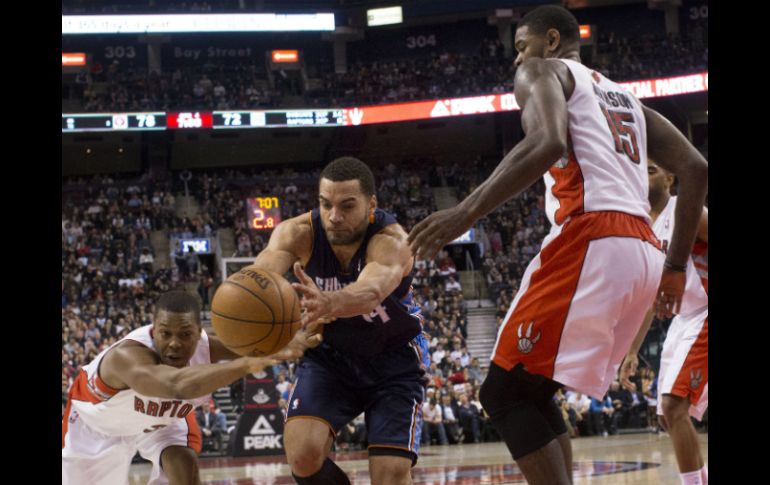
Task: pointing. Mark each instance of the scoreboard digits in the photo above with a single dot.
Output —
(78, 122)
(264, 213)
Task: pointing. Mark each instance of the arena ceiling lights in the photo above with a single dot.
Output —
(384, 16)
(167, 24)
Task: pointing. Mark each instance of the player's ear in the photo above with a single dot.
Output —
(552, 39)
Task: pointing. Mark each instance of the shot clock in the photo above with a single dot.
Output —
(264, 213)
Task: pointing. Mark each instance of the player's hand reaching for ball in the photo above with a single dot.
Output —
(316, 304)
(670, 291)
(307, 337)
(257, 364)
(436, 231)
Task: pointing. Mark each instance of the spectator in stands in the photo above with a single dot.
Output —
(205, 282)
(601, 411)
(452, 284)
(353, 435)
(191, 258)
(283, 385)
(474, 370)
(469, 418)
(581, 404)
(432, 423)
(210, 428)
(449, 412)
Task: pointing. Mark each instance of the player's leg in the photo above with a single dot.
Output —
(515, 401)
(683, 383)
(683, 436)
(307, 444)
(320, 404)
(562, 327)
(390, 470)
(93, 458)
(394, 413)
(173, 451)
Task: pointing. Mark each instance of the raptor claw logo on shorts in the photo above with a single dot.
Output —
(527, 342)
(696, 376)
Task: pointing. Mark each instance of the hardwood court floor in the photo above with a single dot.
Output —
(618, 460)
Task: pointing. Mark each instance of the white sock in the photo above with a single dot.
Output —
(704, 474)
(691, 478)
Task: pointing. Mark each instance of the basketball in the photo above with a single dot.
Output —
(255, 312)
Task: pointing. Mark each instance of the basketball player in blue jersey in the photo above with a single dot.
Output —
(356, 288)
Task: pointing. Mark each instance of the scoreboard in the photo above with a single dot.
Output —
(264, 213)
(199, 119)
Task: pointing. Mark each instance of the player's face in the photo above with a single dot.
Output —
(344, 211)
(176, 336)
(660, 182)
(528, 45)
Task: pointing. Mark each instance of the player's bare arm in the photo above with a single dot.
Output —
(132, 365)
(671, 150)
(541, 88)
(703, 227)
(631, 361)
(388, 261)
(291, 241)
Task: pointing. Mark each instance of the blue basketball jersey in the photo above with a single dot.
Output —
(396, 321)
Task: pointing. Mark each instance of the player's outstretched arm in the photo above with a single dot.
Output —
(671, 150)
(540, 93)
(138, 368)
(290, 241)
(631, 361)
(388, 260)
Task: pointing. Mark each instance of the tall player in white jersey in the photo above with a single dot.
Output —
(683, 376)
(140, 395)
(583, 297)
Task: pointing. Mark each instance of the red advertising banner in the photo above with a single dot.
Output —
(671, 86)
(498, 103)
(441, 108)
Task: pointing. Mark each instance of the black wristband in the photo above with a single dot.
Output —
(675, 267)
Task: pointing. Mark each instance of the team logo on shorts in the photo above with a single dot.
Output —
(696, 376)
(295, 404)
(527, 342)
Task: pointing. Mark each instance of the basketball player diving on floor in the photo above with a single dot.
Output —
(683, 377)
(583, 297)
(140, 395)
(357, 281)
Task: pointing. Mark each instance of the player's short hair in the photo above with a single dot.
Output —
(556, 17)
(350, 168)
(177, 301)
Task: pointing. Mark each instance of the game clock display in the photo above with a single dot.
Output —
(264, 213)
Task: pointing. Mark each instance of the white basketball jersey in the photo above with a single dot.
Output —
(126, 412)
(605, 167)
(695, 296)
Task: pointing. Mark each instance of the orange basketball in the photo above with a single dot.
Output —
(255, 312)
